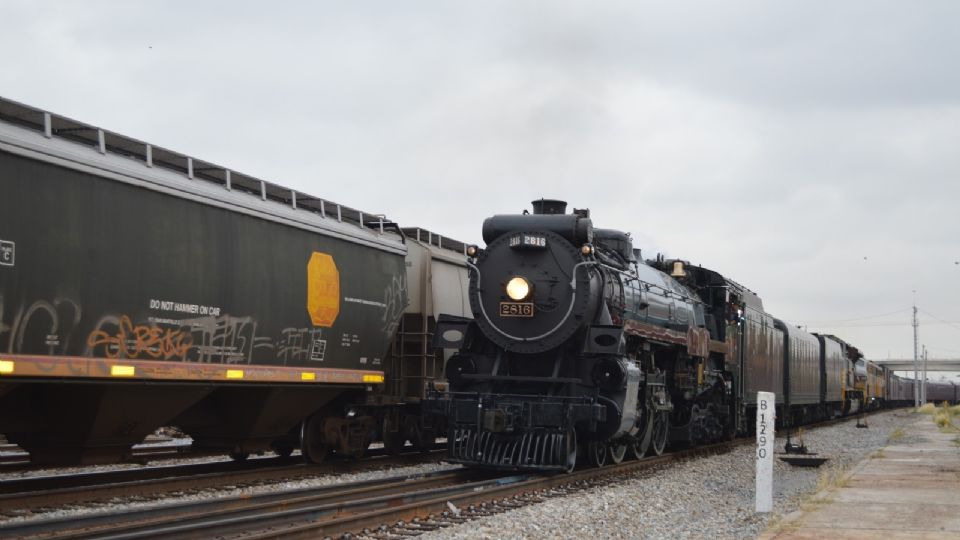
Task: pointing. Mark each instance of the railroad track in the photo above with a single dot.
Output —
(384, 508)
(332, 510)
(57, 490)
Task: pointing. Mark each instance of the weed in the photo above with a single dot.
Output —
(896, 435)
(943, 418)
(927, 408)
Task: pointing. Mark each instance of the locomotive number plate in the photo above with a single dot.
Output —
(516, 309)
(528, 241)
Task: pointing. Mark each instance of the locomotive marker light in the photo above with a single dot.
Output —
(586, 250)
(766, 415)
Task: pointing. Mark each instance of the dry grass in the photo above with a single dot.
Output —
(944, 416)
(927, 408)
(831, 478)
(896, 435)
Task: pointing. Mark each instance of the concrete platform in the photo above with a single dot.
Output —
(908, 490)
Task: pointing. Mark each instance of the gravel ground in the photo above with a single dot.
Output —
(216, 493)
(709, 497)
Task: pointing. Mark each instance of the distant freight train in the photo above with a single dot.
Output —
(578, 349)
(140, 288)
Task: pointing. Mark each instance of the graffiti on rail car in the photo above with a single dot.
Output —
(49, 327)
(43, 326)
(395, 301)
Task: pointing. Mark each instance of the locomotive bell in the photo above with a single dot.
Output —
(678, 270)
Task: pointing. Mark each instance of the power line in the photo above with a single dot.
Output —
(882, 324)
(948, 323)
(861, 318)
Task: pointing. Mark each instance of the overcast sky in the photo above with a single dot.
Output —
(809, 150)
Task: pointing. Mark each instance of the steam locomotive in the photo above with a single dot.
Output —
(578, 350)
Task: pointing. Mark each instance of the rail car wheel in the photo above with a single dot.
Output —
(283, 450)
(596, 454)
(617, 453)
(641, 442)
(661, 428)
(420, 437)
(570, 447)
(238, 455)
(394, 437)
(312, 444)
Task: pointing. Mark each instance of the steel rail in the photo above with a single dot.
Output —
(46, 491)
(204, 518)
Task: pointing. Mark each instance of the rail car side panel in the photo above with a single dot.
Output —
(803, 369)
(104, 269)
(835, 367)
(763, 356)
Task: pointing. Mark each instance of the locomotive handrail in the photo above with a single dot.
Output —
(573, 287)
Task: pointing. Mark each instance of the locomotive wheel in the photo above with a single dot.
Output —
(642, 441)
(312, 447)
(571, 451)
(596, 454)
(617, 453)
(661, 427)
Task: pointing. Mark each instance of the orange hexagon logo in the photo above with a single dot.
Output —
(323, 289)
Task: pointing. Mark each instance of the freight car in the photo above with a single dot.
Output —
(140, 287)
(941, 391)
(900, 390)
(436, 284)
(578, 348)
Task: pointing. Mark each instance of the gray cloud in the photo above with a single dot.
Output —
(780, 143)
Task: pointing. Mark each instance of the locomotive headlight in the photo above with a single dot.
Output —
(472, 251)
(518, 288)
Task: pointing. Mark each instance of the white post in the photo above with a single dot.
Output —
(766, 416)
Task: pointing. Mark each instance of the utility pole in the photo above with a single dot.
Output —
(916, 352)
(924, 374)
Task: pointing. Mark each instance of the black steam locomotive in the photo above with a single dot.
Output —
(578, 348)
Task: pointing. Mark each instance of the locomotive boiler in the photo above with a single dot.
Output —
(577, 348)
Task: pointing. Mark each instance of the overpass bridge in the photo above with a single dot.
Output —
(933, 364)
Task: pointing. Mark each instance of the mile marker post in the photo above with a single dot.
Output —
(766, 416)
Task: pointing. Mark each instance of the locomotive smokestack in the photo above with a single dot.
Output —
(549, 206)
